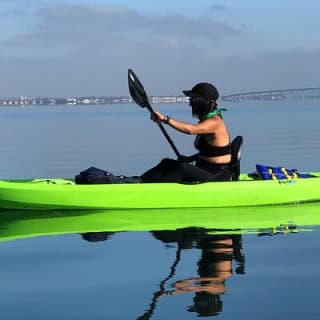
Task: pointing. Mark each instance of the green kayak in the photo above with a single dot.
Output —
(19, 224)
(63, 194)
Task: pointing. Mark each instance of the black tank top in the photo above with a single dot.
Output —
(207, 150)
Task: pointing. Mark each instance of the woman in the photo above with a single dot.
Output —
(212, 162)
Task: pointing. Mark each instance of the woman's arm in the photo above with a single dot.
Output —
(204, 127)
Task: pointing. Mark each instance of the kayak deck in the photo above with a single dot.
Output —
(63, 194)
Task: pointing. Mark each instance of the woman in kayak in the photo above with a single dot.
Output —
(212, 162)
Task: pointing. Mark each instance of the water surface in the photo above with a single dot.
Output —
(159, 274)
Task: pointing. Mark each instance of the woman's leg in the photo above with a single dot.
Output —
(221, 175)
(165, 171)
(169, 170)
(190, 173)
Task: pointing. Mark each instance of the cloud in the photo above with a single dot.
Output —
(17, 6)
(193, 29)
(74, 49)
(86, 50)
(218, 7)
(106, 75)
(83, 26)
(293, 68)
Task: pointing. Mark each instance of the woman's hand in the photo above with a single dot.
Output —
(157, 116)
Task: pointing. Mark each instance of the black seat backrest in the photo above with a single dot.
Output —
(236, 145)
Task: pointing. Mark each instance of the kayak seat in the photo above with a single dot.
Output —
(236, 145)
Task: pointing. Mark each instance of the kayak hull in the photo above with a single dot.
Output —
(60, 194)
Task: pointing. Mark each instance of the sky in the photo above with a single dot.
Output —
(60, 48)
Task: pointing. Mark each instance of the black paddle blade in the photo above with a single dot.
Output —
(136, 90)
(140, 97)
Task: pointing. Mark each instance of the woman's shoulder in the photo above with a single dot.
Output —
(215, 121)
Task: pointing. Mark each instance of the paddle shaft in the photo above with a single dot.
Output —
(164, 131)
(149, 312)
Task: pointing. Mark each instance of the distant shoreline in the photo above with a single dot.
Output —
(26, 101)
(283, 95)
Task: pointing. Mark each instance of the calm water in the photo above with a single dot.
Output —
(156, 275)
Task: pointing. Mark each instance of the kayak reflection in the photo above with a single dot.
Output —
(214, 267)
(97, 236)
(23, 224)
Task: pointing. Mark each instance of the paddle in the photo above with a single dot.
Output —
(156, 295)
(139, 95)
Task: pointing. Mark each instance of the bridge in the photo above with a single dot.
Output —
(300, 95)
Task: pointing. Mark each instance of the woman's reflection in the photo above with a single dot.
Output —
(214, 266)
(218, 250)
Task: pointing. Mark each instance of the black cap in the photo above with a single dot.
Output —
(204, 90)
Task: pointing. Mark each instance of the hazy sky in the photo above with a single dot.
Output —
(82, 47)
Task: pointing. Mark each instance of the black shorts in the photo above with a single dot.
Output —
(219, 172)
(169, 170)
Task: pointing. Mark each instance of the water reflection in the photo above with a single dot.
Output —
(200, 284)
(219, 248)
(279, 230)
(214, 266)
(97, 236)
